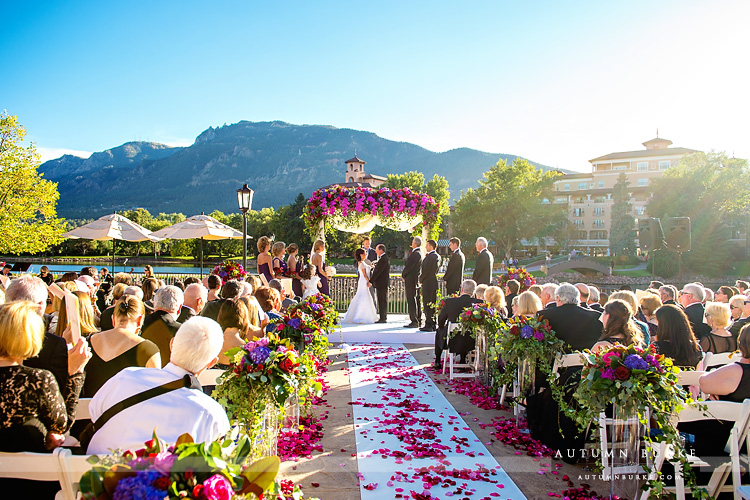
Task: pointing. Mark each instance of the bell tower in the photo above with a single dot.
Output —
(355, 169)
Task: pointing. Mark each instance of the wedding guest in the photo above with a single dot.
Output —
(310, 281)
(617, 319)
(514, 306)
(46, 276)
(479, 292)
(247, 289)
(84, 313)
(743, 303)
(270, 302)
(718, 339)
(410, 275)
(190, 280)
(278, 265)
(536, 289)
(318, 259)
(603, 298)
(584, 290)
(104, 276)
(148, 272)
(121, 347)
(229, 290)
(742, 285)
(722, 294)
(594, 298)
(195, 297)
(649, 305)
(195, 348)
(429, 284)
(735, 307)
(449, 313)
(179, 284)
(495, 297)
(483, 267)
(528, 304)
(709, 295)
(579, 328)
(454, 273)
(258, 319)
(675, 338)
(69, 276)
(161, 326)
(548, 295)
(630, 299)
(122, 278)
(286, 302)
(149, 287)
(264, 258)
(691, 298)
(234, 321)
(295, 265)
(512, 288)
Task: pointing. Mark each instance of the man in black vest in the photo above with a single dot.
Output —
(380, 280)
(429, 281)
(454, 274)
(460, 344)
(483, 268)
(410, 275)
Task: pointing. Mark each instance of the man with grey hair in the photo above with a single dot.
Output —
(578, 327)
(485, 260)
(667, 294)
(180, 407)
(583, 289)
(593, 301)
(691, 298)
(195, 296)
(548, 295)
(410, 275)
(449, 313)
(229, 290)
(161, 325)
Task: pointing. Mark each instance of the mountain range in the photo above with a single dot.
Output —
(277, 160)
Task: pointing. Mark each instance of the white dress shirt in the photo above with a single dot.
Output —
(172, 414)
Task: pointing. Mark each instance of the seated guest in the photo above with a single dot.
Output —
(229, 290)
(161, 326)
(743, 303)
(548, 295)
(718, 339)
(234, 321)
(122, 278)
(528, 304)
(675, 338)
(247, 289)
(630, 299)
(460, 344)
(668, 295)
(514, 306)
(603, 299)
(511, 290)
(722, 294)
(736, 303)
(583, 288)
(618, 327)
(149, 287)
(649, 305)
(270, 301)
(479, 292)
(594, 298)
(195, 296)
(537, 289)
(286, 302)
(46, 276)
(121, 347)
(190, 280)
(214, 286)
(495, 297)
(186, 409)
(258, 319)
(86, 314)
(742, 285)
(578, 327)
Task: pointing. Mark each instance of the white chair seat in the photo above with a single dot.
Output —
(210, 377)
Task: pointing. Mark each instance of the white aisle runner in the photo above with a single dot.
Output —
(411, 442)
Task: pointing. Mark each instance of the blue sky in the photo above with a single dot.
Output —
(556, 82)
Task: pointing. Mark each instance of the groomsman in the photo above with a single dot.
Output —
(428, 278)
(483, 268)
(410, 275)
(455, 272)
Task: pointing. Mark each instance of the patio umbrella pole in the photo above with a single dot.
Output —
(201, 257)
(113, 258)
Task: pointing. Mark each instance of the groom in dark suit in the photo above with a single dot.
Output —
(454, 274)
(410, 275)
(380, 280)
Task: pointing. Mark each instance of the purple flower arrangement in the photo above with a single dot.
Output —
(524, 278)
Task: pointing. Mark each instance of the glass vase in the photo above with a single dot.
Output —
(622, 460)
(525, 379)
(290, 420)
(481, 357)
(267, 440)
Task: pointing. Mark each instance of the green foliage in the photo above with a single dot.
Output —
(28, 202)
(714, 191)
(507, 206)
(622, 226)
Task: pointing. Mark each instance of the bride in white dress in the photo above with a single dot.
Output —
(361, 308)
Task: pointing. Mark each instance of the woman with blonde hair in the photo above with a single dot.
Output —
(618, 326)
(121, 347)
(34, 415)
(630, 299)
(234, 320)
(264, 259)
(537, 289)
(85, 315)
(318, 259)
(649, 304)
(495, 297)
(148, 272)
(256, 316)
(278, 264)
(720, 339)
(529, 304)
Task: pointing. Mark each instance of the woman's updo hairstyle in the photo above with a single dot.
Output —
(128, 306)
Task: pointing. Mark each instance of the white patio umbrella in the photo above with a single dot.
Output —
(200, 226)
(112, 227)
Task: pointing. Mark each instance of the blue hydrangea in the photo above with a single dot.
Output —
(139, 487)
(259, 355)
(295, 323)
(527, 332)
(635, 362)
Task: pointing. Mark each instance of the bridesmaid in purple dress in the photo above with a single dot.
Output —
(319, 261)
(296, 266)
(278, 265)
(264, 259)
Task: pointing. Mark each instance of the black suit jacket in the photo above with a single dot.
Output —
(483, 268)
(106, 321)
(672, 302)
(428, 273)
(509, 302)
(412, 268)
(695, 313)
(52, 357)
(381, 273)
(185, 314)
(160, 328)
(453, 307)
(580, 328)
(371, 255)
(211, 309)
(596, 307)
(454, 273)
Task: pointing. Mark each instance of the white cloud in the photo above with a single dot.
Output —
(54, 153)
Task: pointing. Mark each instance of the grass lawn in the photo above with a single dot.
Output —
(635, 273)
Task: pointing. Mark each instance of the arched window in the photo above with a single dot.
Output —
(351, 179)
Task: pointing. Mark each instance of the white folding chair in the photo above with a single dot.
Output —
(82, 410)
(739, 413)
(691, 378)
(34, 467)
(449, 358)
(716, 360)
(210, 377)
(72, 468)
(566, 361)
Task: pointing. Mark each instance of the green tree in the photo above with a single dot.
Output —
(622, 225)
(508, 206)
(289, 227)
(714, 191)
(28, 202)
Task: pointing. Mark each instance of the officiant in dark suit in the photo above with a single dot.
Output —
(485, 260)
(454, 273)
(429, 281)
(460, 344)
(372, 256)
(410, 275)
(380, 280)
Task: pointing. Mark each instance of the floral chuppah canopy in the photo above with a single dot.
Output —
(359, 209)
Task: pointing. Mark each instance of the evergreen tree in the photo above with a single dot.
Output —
(622, 225)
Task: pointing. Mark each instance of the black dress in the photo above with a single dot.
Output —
(717, 344)
(99, 371)
(691, 362)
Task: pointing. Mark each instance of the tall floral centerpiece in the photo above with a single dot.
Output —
(519, 274)
(481, 321)
(230, 271)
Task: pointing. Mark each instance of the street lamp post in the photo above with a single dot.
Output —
(245, 201)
